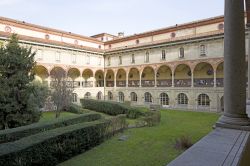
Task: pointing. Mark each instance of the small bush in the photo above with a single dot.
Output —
(150, 118)
(183, 143)
(111, 108)
(76, 109)
(24, 131)
(54, 146)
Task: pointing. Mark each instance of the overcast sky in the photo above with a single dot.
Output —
(90, 17)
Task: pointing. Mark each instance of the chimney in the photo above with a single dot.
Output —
(120, 34)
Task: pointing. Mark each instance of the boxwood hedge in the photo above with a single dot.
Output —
(111, 108)
(57, 145)
(20, 132)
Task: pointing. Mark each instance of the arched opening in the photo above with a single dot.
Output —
(121, 97)
(121, 78)
(148, 77)
(87, 95)
(164, 99)
(133, 97)
(148, 97)
(74, 97)
(87, 75)
(182, 99)
(220, 75)
(99, 77)
(41, 74)
(74, 74)
(203, 100)
(182, 76)
(110, 78)
(134, 77)
(164, 78)
(99, 96)
(110, 95)
(56, 74)
(222, 104)
(203, 75)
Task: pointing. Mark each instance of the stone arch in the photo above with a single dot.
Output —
(120, 97)
(182, 75)
(163, 75)
(134, 77)
(57, 72)
(41, 73)
(121, 78)
(220, 75)
(99, 77)
(110, 95)
(148, 77)
(203, 75)
(74, 75)
(182, 99)
(99, 95)
(88, 77)
(87, 95)
(110, 78)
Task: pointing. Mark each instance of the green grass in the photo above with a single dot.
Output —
(48, 116)
(151, 146)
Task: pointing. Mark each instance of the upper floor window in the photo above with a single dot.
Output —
(120, 60)
(133, 58)
(147, 57)
(202, 50)
(110, 46)
(163, 55)
(137, 41)
(181, 52)
(58, 56)
(39, 54)
(100, 61)
(87, 59)
(73, 58)
(109, 61)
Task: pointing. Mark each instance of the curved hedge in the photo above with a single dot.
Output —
(24, 131)
(111, 108)
(54, 146)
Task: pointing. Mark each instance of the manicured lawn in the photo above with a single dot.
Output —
(151, 146)
(48, 116)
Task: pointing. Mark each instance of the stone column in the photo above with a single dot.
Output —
(115, 79)
(127, 79)
(155, 78)
(234, 67)
(140, 73)
(215, 81)
(173, 78)
(248, 61)
(192, 78)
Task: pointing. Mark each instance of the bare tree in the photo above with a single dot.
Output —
(61, 90)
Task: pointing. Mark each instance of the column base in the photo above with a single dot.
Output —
(240, 123)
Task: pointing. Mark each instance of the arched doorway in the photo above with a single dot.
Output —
(182, 76)
(110, 95)
(164, 99)
(121, 78)
(203, 75)
(182, 99)
(87, 75)
(133, 78)
(148, 77)
(99, 96)
(121, 97)
(99, 77)
(148, 97)
(74, 75)
(133, 97)
(164, 78)
(203, 100)
(110, 78)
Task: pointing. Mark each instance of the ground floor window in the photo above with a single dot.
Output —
(133, 96)
(87, 95)
(99, 96)
(164, 99)
(148, 97)
(121, 97)
(203, 100)
(110, 96)
(74, 97)
(182, 99)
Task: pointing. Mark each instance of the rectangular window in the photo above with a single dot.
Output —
(100, 61)
(39, 54)
(147, 57)
(73, 58)
(181, 53)
(163, 55)
(87, 59)
(133, 58)
(58, 56)
(109, 61)
(120, 60)
(202, 50)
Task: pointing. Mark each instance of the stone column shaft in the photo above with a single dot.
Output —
(234, 66)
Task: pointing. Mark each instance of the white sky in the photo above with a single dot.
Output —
(90, 17)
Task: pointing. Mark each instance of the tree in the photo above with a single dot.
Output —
(16, 73)
(61, 90)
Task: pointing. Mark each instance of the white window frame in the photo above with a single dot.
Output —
(57, 56)
(146, 59)
(73, 58)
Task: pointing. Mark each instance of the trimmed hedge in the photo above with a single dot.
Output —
(76, 109)
(150, 118)
(24, 131)
(54, 146)
(111, 108)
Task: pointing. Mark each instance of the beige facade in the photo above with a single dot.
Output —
(179, 67)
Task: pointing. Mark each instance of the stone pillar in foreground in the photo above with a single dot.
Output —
(234, 67)
(248, 59)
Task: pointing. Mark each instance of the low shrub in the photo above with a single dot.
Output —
(54, 146)
(111, 108)
(24, 131)
(183, 143)
(149, 119)
(76, 109)
(117, 124)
